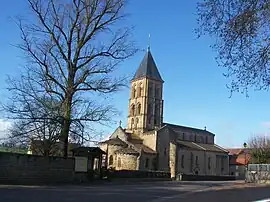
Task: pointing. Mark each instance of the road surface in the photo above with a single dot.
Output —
(136, 192)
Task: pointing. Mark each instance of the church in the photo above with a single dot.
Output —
(149, 143)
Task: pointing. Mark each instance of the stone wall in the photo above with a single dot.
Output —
(126, 162)
(31, 169)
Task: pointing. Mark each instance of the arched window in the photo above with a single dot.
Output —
(139, 109)
(140, 90)
(137, 122)
(132, 111)
(111, 160)
(132, 123)
(119, 162)
(134, 92)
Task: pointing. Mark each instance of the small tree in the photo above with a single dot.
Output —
(72, 49)
(241, 30)
(260, 149)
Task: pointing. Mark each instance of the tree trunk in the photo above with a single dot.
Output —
(66, 125)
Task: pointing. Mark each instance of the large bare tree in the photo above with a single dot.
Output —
(73, 48)
(37, 117)
(259, 149)
(242, 39)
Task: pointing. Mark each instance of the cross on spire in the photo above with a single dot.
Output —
(148, 47)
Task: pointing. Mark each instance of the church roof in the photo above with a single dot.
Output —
(115, 141)
(179, 128)
(144, 148)
(201, 146)
(148, 68)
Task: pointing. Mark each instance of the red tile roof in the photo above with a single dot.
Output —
(239, 156)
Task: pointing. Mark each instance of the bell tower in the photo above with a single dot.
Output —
(145, 107)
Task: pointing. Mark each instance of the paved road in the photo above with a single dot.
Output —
(136, 192)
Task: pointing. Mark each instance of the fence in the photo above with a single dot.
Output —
(258, 173)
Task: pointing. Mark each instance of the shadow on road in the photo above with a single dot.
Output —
(148, 192)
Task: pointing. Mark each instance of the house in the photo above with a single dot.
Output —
(238, 160)
(47, 148)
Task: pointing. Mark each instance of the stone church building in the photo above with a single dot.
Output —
(149, 143)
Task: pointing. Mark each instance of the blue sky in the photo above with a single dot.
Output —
(195, 91)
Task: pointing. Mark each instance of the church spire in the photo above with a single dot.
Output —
(147, 67)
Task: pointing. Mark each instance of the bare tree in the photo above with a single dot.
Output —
(73, 48)
(241, 30)
(260, 149)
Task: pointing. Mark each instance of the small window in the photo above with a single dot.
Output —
(119, 162)
(137, 123)
(197, 161)
(111, 160)
(132, 112)
(165, 151)
(134, 92)
(222, 163)
(209, 163)
(139, 109)
(132, 123)
(146, 163)
(206, 140)
(139, 91)
(182, 161)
